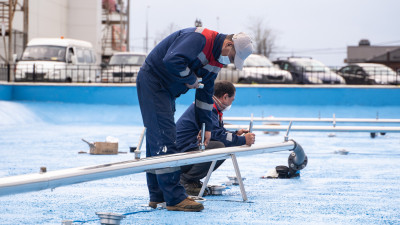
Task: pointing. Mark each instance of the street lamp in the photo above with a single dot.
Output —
(147, 29)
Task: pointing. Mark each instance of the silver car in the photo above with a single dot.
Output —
(256, 69)
(309, 71)
(123, 67)
(369, 73)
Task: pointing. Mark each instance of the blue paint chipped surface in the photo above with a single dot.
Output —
(359, 188)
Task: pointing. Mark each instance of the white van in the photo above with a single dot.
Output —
(57, 59)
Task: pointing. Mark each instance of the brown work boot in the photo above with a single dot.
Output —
(154, 204)
(193, 188)
(187, 205)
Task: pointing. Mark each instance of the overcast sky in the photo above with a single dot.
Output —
(321, 29)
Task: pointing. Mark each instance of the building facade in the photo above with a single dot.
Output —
(104, 23)
(367, 53)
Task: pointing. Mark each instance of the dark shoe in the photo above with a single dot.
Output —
(187, 205)
(154, 204)
(194, 188)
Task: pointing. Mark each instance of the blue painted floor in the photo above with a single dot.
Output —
(359, 188)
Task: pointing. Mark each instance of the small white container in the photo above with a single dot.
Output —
(235, 180)
(110, 218)
(216, 189)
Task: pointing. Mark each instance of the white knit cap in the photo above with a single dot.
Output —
(243, 46)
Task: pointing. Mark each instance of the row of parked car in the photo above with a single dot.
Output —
(68, 60)
(300, 70)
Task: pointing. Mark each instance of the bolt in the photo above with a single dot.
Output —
(293, 154)
(292, 165)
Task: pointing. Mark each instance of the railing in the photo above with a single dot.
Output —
(55, 73)
(119, 74)
(4, 72)
(128, 74)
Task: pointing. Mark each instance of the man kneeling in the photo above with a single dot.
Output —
(187, 131)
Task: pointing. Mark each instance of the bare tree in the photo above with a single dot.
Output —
(263, 37)
(168, 30)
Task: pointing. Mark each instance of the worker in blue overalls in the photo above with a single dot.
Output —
(171, 68)
(187, 132)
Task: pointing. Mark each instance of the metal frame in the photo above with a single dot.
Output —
(238, 176)
(53, 179)
(369, 129)
(331, 120)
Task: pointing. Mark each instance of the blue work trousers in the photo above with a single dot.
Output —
(158, 107)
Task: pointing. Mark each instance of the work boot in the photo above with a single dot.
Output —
(154, 204)
(187, 205)
(194, 188)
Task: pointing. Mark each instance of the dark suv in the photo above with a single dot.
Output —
(309, 71)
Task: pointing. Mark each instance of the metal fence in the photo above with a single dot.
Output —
(127, 74)
(118, 74)
(54, 73)
(4, 72)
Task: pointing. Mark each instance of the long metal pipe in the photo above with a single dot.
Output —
(53, 179)
(294, 119)
(369, 129)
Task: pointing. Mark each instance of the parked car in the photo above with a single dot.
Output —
(57, 59)
(123, 67)
(369, 73)
(257, 69)
(309, 71)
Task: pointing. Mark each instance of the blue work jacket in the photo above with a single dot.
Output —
(185, 56)
(187, 131)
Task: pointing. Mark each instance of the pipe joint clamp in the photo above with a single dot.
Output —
(292, 165)
(297, 159)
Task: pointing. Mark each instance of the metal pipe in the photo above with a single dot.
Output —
(202, 146)
(286, 138)
(329, 120)
(368, 129)
(251, 124)
(53, 179)
(334, 120)
(141, 138)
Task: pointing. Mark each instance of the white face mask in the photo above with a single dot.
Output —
(227, 108)
(224, 60)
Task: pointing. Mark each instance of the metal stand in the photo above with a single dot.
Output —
(203, 188)
(238, 176)
(234, 161)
